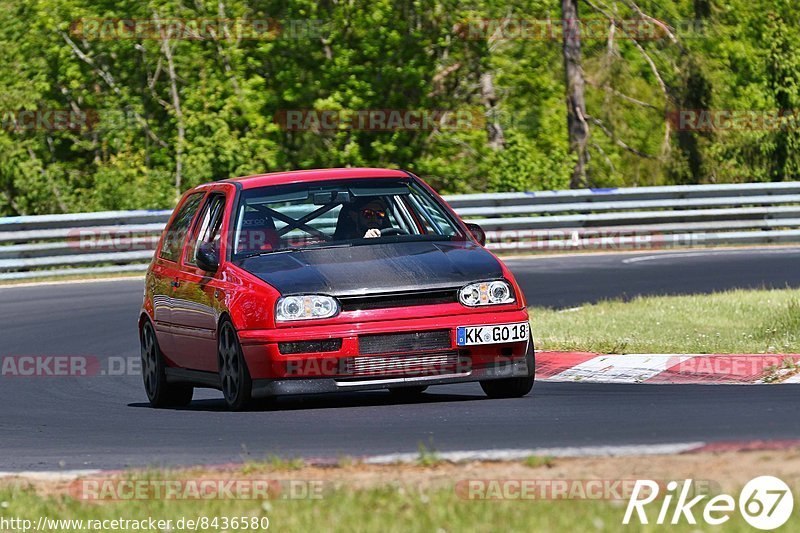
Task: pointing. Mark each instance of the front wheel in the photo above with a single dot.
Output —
(513, 387)
(160, 393)
(237, 386)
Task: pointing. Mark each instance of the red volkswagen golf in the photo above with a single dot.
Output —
(323, 281)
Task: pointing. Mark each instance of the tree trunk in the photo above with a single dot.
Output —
(576, 104)
(176, 105)
(494, 129)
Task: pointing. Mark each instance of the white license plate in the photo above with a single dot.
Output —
(476, 335)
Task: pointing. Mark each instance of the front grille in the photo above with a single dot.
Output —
(403, 299)
(322, 346)
(419, 341)
(425, 364)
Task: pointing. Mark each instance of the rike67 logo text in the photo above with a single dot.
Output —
(765, 503)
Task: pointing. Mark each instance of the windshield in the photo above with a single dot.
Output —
(340, 213)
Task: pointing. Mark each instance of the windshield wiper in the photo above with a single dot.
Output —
(298, 249)
(262, 252)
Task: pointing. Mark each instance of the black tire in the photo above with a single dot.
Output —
(160, 393)
(513, 387)
(234, 377)
(408, 392)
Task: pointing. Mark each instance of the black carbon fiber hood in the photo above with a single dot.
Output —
(374, 268)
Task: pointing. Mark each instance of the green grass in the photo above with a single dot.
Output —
(392, 508)
(730, 322)
(537, 461)
(427, 456)
(273, 463)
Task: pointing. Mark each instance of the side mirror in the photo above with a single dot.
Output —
(207, 257)
(478, 233)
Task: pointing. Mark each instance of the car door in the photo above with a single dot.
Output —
(166, 270)
(196, 306)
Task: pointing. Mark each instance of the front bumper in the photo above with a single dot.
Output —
(348, 368)
(263, 388)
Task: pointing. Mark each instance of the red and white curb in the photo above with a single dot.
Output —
(668, 368)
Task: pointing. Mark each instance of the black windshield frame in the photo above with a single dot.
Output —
(357, 187)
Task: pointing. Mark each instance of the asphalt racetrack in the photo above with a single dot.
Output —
(52, 423)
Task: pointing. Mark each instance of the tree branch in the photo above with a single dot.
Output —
(176, 106)
(13, 203)
(619, 142)
(665, 146)
(624, 96)
(112, 85)
(89, 61)
(655, 21)
(605, 156)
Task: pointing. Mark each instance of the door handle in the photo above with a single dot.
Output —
(175, 284)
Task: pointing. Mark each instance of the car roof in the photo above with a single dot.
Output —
(300, 176)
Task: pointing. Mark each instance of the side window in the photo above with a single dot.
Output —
(209, 227)
(176, 232)
(433, 217)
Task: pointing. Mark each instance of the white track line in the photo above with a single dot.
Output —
(455, 457)
(793, 379)
(674, 255)
(512, 455)
(69, 282)
(53, 475)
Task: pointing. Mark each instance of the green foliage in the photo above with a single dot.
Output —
(523, 166)
(170, 115)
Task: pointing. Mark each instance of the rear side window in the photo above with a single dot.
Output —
(176, 232)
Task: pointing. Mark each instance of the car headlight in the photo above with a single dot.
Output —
(306, 307)
(486, 293)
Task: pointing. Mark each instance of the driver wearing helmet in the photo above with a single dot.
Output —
(362, 220)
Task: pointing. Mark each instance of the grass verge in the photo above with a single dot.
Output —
(383, 509)
(45, 280)
(414, 497)
(750, 322)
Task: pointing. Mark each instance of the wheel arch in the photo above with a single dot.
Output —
(144, 317)
(224, 316)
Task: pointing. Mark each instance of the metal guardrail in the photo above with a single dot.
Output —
(641, 218)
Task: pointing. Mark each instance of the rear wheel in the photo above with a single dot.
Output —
(513, 387)
(237, 387)
(159, 392)
(408, 392)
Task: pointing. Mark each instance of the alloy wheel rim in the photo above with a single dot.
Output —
(149, 361)
(229, 364)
